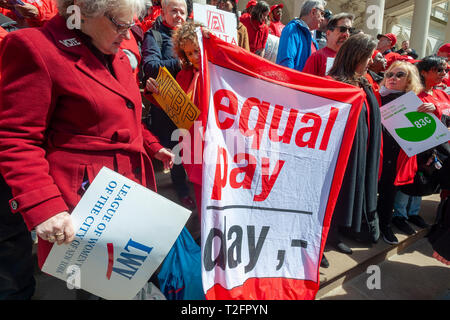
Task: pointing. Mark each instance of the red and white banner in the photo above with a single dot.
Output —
(276, 146)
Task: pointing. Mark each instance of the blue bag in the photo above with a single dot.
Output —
(180, 277)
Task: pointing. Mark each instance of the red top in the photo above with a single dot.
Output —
(440, 99)
(257, 33)
(317, 62)
(275, 28)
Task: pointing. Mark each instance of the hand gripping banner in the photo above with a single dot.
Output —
(276, 147)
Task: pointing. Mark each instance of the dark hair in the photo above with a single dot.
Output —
(332, 23)
(430, 63)
(259, 9)
(355, 50)
(234, 10)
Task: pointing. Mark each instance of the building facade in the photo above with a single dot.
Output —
(423, 22)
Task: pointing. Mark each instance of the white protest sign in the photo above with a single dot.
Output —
(330, 62)
(414, 131)
(123, 233)
(221, 23)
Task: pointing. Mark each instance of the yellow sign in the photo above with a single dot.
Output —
(174, 101)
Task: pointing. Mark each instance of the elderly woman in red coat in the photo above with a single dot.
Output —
(69, 105)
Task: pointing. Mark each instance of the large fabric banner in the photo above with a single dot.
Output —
(276, 146)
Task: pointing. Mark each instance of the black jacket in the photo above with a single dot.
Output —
(154, 56)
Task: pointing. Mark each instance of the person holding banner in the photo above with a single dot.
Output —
(186, 47)
(69, 106)
(358, 197)
(157, 51)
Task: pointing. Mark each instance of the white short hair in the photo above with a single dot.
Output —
(95, 8)
(311, 4)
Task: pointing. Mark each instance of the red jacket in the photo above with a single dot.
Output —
(63, 116)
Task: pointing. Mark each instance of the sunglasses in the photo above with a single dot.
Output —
(343, 29)
(399, 75)
(120, 27)
(440, 70)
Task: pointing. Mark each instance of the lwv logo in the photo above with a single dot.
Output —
(129, 260)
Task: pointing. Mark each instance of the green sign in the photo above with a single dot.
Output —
(423, 127)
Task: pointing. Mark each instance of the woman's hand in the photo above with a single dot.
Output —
(427, 107)
(441, 259)
(27, 10)
(166, 157)
(58, 228)
(152, 86)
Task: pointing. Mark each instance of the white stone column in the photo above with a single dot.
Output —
(447, 32)
(420, 26)
(373, 18)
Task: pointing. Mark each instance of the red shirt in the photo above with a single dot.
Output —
(257, 33)
(276, 27)
(317, 62)
(440, 99)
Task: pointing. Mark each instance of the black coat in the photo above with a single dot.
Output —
(358, 195)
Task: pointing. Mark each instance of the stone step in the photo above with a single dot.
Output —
(344, 268)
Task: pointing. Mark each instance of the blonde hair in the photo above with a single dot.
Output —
(182, 35)
(96, 8)
(413, 78)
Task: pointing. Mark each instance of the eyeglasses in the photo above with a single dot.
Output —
(343, 29)
(121, 28)
(322, 12)
(399, 75)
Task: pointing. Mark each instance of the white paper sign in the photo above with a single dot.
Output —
(221, 23)
(123, 233)
(414, 131)
(330, 62)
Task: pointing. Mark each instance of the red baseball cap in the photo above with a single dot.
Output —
(390, 36)
(251, 3)
(280, 5)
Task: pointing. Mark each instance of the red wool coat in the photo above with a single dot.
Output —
(63, 116)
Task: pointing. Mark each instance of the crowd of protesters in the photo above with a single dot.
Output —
(58, 133)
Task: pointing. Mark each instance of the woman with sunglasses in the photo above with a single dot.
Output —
(401, 77)
(69, 106)
(408, 198)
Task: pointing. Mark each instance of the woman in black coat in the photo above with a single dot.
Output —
(358, 197)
